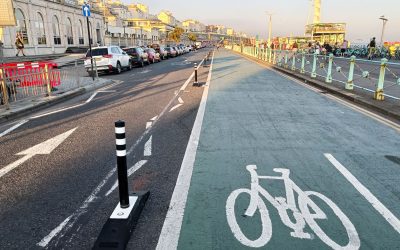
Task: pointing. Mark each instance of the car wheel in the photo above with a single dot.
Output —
(119, 69)
(153, 61)
(130, 66)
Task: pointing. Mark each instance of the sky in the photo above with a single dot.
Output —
(290, 16)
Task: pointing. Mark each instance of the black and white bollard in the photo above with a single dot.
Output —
(117, 231)
(196, 83)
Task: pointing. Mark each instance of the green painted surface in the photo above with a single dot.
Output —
(255, 116)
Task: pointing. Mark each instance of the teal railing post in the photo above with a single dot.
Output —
(294, 61)
(303, 62)
(379, 89)
(274, 59)
(270, 55)
(329, 73)
(349, 85)
(314, 67)
(286, 58)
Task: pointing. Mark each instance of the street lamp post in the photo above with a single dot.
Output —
(384, 21)
(124, 25)
(269, 27)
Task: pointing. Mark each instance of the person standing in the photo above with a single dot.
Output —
(371, 48)
(345, 46)
(19, 43)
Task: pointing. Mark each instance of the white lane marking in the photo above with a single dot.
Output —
(56, 111)
(389, 216)
(131, 171)
(148, 125)
(83, 208)
(43, 148)
(154, 118)
(47, 239)
(71, 220)
(173, 222)
(102, 90)
(148, 147)
(91, 97)
(175, 107)
(180, 100)
(145, 71)
(13, 128)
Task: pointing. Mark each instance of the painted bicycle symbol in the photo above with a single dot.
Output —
(301, 214)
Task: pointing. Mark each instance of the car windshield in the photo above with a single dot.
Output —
(98, 52)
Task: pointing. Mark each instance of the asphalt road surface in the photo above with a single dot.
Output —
(59, 194)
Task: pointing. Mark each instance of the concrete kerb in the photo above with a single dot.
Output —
(47, 103)
(331, 89)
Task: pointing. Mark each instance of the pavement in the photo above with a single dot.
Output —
(274, 163)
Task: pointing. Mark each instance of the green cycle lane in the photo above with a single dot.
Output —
(255, 117)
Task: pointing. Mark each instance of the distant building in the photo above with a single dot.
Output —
(191, 25)
(51, 26)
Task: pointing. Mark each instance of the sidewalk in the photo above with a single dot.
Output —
(61, 59)
(263, 169)
(27, 105)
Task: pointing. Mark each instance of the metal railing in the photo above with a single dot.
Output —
(19, 84)
(378, 77)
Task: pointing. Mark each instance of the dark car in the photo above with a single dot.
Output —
(171, 52)
(139, 57)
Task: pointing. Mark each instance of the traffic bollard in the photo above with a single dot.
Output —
(118, 228)
(195, 75)
(121, 164)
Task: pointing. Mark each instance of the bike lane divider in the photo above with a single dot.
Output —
(258, 176)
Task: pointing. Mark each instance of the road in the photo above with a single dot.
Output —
(274, 163)
(60, 193)
(253, 159)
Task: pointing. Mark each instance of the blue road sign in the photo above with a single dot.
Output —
(86, 10)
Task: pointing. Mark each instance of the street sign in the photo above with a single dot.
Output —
(7, 17)
(86, 10)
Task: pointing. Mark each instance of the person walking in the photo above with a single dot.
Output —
(371, 48)
(345, 46)
(19, 43)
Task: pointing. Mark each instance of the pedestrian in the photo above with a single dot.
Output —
(19, 43)
(295, 47)
(371, 48)
(345, 45)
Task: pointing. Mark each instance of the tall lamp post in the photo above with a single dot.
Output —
(124, 25)
(384, 21)
(269, 27)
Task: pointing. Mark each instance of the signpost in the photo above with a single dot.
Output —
(86, 13)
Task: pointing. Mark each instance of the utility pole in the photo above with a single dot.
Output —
(384, 21)
(269, 27)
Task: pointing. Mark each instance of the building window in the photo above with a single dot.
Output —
(81, 39)
(70, 34)
(21, 25)
(56, 30)
(41, 33)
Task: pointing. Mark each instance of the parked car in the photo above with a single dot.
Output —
(153, 55)
(138, 56)
(108, 59)
(160, 50)
(171, 52)
(178, 51)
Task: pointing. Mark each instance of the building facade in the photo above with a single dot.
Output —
(51, 26)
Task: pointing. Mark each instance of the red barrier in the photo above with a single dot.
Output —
(29, 74)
